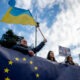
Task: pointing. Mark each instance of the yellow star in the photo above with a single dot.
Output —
(37, 75)
(7, 78)
(6, 70)
(36, 68)
(10, 62)
(17, 59)
(31, 62)
(24, 59)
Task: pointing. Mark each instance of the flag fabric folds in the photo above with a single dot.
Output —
(63, 51)
(18, 16)
(18, 66)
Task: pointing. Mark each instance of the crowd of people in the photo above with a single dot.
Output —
(68, 59)
(10, 40)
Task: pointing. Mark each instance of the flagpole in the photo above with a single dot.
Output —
(40, 30)
(41, 33)
(36, 29)
(35, 36)
(37, 26)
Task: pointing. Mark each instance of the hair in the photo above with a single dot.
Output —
(48, 56)
(67, 60)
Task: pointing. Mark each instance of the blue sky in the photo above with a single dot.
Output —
(48, 15)
(59, 21)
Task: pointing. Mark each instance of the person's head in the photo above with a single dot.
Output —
(50, 55)
(69, 58)
(23, 42)
(10, 32)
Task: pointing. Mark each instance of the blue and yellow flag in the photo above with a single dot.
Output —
(18, 16)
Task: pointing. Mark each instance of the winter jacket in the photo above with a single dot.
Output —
(26, 49)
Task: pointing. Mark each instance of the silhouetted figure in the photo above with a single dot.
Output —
(9, 39)
(50, 56)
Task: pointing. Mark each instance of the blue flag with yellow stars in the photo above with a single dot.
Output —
(18, 66)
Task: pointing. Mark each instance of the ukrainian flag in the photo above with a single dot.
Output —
(18, 16)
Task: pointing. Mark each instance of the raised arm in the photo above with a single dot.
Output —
(39, 47)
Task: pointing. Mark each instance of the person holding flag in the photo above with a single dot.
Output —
(16, 15)
(24, 48)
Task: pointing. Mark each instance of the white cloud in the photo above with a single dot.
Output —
(25, 4)
(76, 51)
(21, 33)
(64, 31)
(44, 3)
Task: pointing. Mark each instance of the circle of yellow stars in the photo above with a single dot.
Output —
(7, 70)
(7, 78)
(37, 75)
(10, 62)
(24, 59)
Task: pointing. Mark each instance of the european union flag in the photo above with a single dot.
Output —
(17, 66)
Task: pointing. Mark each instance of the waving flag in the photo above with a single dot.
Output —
(18, 66)
(18, 16)
(63, 51)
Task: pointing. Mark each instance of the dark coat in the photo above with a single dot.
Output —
(71, 63)
(26, 49)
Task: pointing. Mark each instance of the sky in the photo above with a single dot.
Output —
(59, 21)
